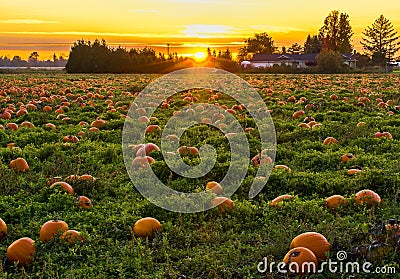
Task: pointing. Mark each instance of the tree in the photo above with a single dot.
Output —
(380, 41)
(336, 32)
(329, 62)
(226, 54)
(295, 48)
(260, 43)
(313, 44)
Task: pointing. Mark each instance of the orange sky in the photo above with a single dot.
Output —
(188, 25)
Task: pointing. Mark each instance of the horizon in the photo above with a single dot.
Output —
(189, 27)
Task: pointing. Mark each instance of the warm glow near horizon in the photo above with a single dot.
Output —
(188, 26)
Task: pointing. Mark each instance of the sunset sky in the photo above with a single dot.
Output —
(189, 26)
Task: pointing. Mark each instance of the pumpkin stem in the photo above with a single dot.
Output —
(56, 217)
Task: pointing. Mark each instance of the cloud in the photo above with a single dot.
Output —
(277, 28)
(28, 21)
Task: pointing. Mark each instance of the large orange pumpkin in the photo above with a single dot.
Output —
(21, 251)
(301, 260)
(335, 201)
(277, 202)
(71, 236)
(223, 203)
(367, 197)
(145, 227)
(19, 165)
(52, 228)
(214, 187)
(64, 186)
(84, 202)
(314, 241)
(3, 229)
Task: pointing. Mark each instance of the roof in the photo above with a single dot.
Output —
(286, 56)
(263, 57)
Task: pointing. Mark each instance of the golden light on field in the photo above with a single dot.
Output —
(200, 56)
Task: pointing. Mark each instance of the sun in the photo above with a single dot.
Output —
(199, 56)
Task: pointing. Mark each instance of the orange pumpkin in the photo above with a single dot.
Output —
(353, 171)
(27, 124)
(347, 157)
(52, 228)
(335, 201)
(301, 260)
(298, 113)
(19, 165)
(3, 229)
(330, 140)
(98, 123)
(84, 202)
(368, 197)
(86, 177)
(71, 236)
(146, 227)
(70, 138)
(51, 126)
(152, 128)
(12, 126)
(223, 203)
(284, 167)
(214, 187)
(383, 135)
(64, 186)
(314, 241)
(277, 202)
(21, 251)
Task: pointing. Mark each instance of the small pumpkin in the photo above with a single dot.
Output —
(3, 229)
(214, 187)
(335, 201)
(98, 123)
(84, 202)
(152, 128)
(284, 167)
(21, 251)
(12, 126)
(354, 171)
(330, 140)
(19, 165)
(383, 135)
(347, 157)
(72, 236)
(223, 203)
(86, 177)
(52, 228)
(314, 241)
(70, 138)
(64, 186)
(277, 202)
(301, 260)
(368, 197)
(146, 227)
(298, 113)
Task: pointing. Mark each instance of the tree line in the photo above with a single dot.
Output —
(380, 41)
(33, 61)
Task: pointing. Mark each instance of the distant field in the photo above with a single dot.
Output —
(211, 244)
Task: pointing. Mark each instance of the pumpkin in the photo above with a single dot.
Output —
(145, 227)
(21, 251)
(330, 140)
(362, 123)
(71, 236)
(12, 126)
(3, 229)
(188, 150)
(334, 97)
(214, 187)
(27, 124)
(347, 157)
(98, 123)
(143, 119)
(70, 138)
(84, 202)
(51, 126)
(152, 128)
(277, 202)
(335, 201)
(149, 147)
(368, 197)
(383, 135)
(53, 180)
(284, 167)
(52, 228)
(301, 260)
(19, 165)
(353, 171)
(223, 203)
(64, 186)
(142, 162)
(314, 241)
(298, 113)
(86, 177)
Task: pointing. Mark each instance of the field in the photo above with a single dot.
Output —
(216, 243)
